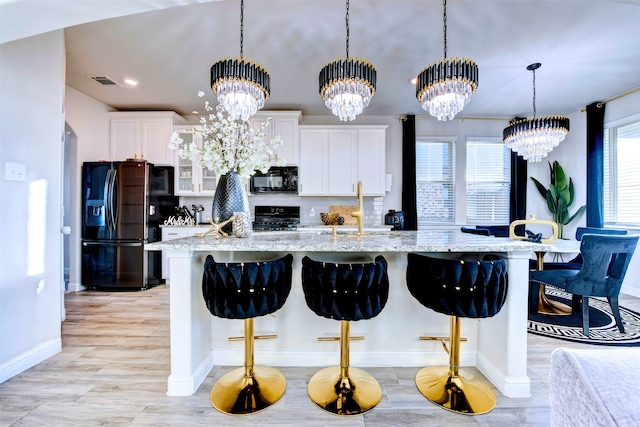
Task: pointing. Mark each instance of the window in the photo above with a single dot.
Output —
(488, 182)
(435, 181)
(622, 174)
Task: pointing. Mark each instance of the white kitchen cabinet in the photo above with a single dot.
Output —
(191, 179)
(143, 135)
(313, 173)
(285, 124)
(334, 158)
(172, 233)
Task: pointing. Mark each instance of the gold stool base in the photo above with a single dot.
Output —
(237, 394)
(355, 394)
(463, 394)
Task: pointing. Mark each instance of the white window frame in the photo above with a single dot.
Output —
(610, 193)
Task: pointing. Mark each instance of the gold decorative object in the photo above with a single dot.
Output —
(216, 227)
(359, 214)
(533, 220)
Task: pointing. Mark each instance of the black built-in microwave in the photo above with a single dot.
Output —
(278, 179)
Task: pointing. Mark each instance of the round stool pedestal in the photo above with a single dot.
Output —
(463, 393)
(236, 393)
(353, 394)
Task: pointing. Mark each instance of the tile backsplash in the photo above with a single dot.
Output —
(373, 206)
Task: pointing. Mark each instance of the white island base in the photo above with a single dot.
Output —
(497, 345)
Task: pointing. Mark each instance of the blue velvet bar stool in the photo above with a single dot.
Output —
(346, 292)
(245, 291)
(459, 288)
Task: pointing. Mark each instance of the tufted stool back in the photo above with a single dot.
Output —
(245, 290)
(351, 292)
(462, 288)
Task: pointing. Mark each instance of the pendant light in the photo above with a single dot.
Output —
(446, 86)
(534, 138)
(347, 86)
(241, 86)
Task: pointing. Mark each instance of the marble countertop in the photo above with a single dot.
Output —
(385, 241)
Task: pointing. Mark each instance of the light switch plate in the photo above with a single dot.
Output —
(15, 171)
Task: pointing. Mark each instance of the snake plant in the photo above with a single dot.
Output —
(559, 196)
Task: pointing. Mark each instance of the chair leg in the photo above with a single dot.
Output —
(344, 390)
(585, 315)
(248, 389)
(613, 302)
(453, 388)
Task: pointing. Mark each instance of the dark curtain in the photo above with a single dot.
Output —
(595, 165)
(518, 196)
(409, 173)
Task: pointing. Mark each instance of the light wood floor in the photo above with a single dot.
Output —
(114, 365)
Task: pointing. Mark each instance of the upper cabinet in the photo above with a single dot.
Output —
(334, 158)
(143, 135)
(191, 179)
(285, 124)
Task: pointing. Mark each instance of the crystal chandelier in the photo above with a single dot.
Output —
(241, 86)
(534, 138)
(446, 86)
(347, 86)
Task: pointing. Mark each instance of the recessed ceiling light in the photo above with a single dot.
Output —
(131, 81)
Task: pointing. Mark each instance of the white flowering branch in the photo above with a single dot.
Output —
(229, 145)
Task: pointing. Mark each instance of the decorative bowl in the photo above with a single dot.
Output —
(329, 218)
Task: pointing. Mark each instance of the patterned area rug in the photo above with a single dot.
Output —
(602, 325)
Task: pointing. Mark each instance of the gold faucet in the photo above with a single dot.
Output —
(359, 214)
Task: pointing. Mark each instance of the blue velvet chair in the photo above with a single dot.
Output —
(245, 290)
(605, 262)
(346, 292)
(459, 288)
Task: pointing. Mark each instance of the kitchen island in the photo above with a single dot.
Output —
(497, 345)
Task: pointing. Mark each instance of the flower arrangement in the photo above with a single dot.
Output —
(229, 145)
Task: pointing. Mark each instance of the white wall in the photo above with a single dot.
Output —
(89, 120)
(31, 130)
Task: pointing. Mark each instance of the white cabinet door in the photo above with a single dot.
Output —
(285, 124)
(126, 135)
(371, 161)
(143, 135)
(314, 159)
(343, 174)
(190, 178)
(155, 140)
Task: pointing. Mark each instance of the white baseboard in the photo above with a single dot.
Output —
(28, 360)
(509, 386)
(75, 287)
(628, 290)
(186, 385)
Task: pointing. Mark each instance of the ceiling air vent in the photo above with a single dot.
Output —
(105, 81)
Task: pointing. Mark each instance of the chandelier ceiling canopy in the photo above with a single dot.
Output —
(446, 86)
(241, 86)
(534, 138)
(347, 85)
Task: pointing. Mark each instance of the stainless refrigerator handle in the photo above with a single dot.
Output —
(113, 244)
(113, 208)
(106, 197)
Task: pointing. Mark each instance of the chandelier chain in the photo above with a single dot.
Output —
(444, 27)
(346, 18)
(534, 93)
(241, 26)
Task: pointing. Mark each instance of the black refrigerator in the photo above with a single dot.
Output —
(123, 205)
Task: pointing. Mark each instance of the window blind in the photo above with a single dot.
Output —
(488, 182)
(435, 181)
(622, 174)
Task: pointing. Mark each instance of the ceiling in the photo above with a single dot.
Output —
(589, 50)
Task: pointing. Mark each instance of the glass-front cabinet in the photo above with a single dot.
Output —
(190, 178)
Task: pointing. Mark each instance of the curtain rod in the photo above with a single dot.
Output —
(600, 104)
